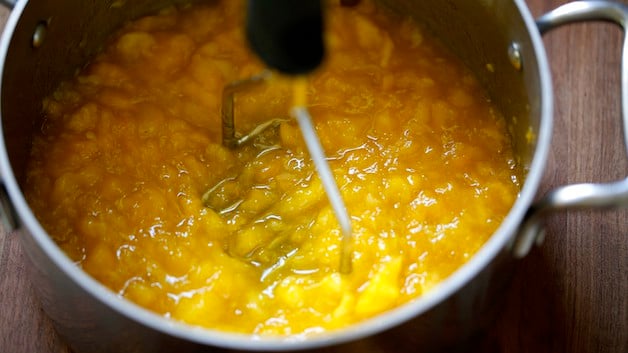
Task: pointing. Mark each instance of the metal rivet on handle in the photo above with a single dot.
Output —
(514, 54)
(40, 34)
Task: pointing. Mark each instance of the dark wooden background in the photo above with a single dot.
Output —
(570, 295)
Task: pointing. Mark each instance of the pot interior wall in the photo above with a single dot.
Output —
(479, 32)
(75, 31)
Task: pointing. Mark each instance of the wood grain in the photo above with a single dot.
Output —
(569, 295)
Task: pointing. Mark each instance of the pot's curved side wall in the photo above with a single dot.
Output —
(85, 323)
(89, 326)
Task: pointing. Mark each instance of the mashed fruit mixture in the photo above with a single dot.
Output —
(129, 147)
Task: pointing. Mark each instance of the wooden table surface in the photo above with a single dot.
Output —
(569, 295)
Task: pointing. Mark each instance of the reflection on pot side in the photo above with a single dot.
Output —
(126, 150)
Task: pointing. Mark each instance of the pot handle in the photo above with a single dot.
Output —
(580, 196)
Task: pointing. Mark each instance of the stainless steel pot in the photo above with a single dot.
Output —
(44, 42)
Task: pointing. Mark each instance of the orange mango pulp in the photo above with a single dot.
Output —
(126, 149)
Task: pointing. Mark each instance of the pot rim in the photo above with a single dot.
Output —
(500, 239)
